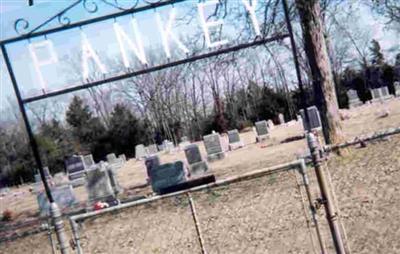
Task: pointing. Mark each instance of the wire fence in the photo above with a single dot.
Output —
(367, 193)
(254, 213)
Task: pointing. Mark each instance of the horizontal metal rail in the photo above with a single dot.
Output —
(359, 140)
(256, 42)
(247, 176)
(91, 21)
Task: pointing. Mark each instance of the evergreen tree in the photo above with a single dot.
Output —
(125, 131)
(88, 130)
(376, 53)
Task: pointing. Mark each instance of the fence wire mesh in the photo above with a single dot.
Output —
(367, 190)
(266, 214)
(34, 241)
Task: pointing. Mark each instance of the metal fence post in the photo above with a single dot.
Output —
(59, 227)
(326, 199)
(303, 169)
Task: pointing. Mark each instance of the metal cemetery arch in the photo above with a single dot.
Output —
(148, 5)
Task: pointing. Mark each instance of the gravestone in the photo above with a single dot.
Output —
(140, 152)
(168, 146)
(397, 88)
(60, 179)
(111, 157)
(196, 164)
(270, 124)
(167, 175)
(261, 130)
(38, 186)
(122, 157)
(234, 140)
(75, 170)
(183, 144)
(152, 149)
(213, 147)
(281, 118)
(112, 174)
(117, 163)
(98, 185)
(354, 101)
(63, 196)
(151, 162)
(314, 117)
(379, 94)
(184, 139)
(88, 161)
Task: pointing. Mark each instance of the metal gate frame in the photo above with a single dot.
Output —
(54, 210)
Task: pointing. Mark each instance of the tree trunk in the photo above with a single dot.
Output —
(318, 59)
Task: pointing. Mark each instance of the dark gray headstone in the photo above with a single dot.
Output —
(233, 136)
(98, 184)
(167, 175)
(63, 196)
(315, 119)
(193, 154)
(261, 128)
(212, 143)
(151, 162)
(75, 167)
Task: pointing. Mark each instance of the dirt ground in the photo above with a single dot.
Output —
(262, 215)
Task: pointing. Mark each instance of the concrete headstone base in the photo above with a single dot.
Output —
(236, 145)
(215, 157)
(198, 168)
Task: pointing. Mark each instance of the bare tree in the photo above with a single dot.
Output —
(324, 89)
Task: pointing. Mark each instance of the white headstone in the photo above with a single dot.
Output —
(397, 88)
(281, 118)
(140, 152)
(213, 145)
